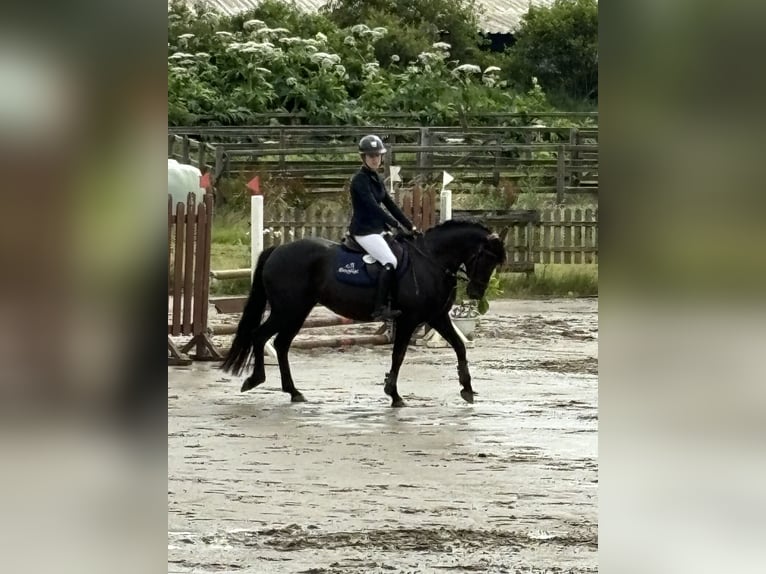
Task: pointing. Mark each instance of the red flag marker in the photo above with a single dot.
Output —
(254, 185)
(204, 181)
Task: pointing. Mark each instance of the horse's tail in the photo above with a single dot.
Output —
(251, 319)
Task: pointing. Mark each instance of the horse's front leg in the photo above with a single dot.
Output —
(402, 335)
(446, 329)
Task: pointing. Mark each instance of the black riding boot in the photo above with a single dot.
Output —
(383, 295)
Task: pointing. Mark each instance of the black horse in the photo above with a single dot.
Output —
(294, 277)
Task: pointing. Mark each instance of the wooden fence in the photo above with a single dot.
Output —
(189, 241)
(542, 159)
(558, 236)
(397, 119)
(563, 235)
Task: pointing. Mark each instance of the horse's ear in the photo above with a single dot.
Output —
(504, 234)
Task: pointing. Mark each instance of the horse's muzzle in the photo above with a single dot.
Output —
(475, 291)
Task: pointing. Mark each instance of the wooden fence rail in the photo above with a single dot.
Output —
(563, 235)
(548, 159)
(389, 118)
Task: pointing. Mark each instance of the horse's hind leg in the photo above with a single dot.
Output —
(262, 334)
(282, 345)
(402, 335)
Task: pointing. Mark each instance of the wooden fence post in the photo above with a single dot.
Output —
(560, 175)
(185, 150)
(424, 157)
(219, 161)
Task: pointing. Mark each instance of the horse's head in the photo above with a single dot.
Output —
(471, 244)
(479, 267)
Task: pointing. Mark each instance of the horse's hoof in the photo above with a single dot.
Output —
(297, 398)
(248, 384)
(398, 403)
(467, 395)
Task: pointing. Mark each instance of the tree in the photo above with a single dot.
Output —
(414, 26)
(559, 46)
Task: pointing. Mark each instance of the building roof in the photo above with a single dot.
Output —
(500, 16)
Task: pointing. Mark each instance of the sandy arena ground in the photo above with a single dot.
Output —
(345, 484)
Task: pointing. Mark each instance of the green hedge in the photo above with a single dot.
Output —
(227, 70)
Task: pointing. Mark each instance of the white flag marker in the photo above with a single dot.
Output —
(446, 179)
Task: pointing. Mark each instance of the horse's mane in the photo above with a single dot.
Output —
(495, 246)
(459, 223)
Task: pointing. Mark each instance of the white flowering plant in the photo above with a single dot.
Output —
(230, 70)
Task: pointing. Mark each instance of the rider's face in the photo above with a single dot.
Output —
(373, 161)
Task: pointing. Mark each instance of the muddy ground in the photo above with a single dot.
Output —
(345, 484)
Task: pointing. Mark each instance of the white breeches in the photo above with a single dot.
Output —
(376, 246)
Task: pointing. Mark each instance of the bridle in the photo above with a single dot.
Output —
(470, 265)
(467, 268)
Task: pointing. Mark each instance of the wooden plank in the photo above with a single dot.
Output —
(561, 250)
(229, 305)
(384, 116)
(577, 236)
(391, 149)
(530, 230)
(557, 236)
(560, 174)
(170, 240)
(567, 231)
(564, 224)
(199, 265)
(407, 206)
(595, 236)
(417, 207)
(205, 272)
(547, 246)
(427, 150)
(586, 235)
(191, 220)
(428, 211)
(220, 161)
(201, 156)
(178, 264)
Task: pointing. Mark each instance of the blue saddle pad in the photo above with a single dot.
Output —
(352, 270)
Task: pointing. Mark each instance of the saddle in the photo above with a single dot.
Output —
(354, 266)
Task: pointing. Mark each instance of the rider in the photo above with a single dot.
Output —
(369, 220)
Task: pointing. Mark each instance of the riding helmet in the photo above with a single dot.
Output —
(371, 144)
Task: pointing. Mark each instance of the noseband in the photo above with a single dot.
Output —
(470, 265)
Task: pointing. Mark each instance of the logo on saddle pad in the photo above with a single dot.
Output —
(349, 269)
(361, 269)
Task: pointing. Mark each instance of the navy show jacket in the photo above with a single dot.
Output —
(367, 194)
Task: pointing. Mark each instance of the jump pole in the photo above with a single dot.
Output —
(256, 238)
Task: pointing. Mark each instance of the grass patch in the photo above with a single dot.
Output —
(229, 256)
(553, 280)
(231, 227)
